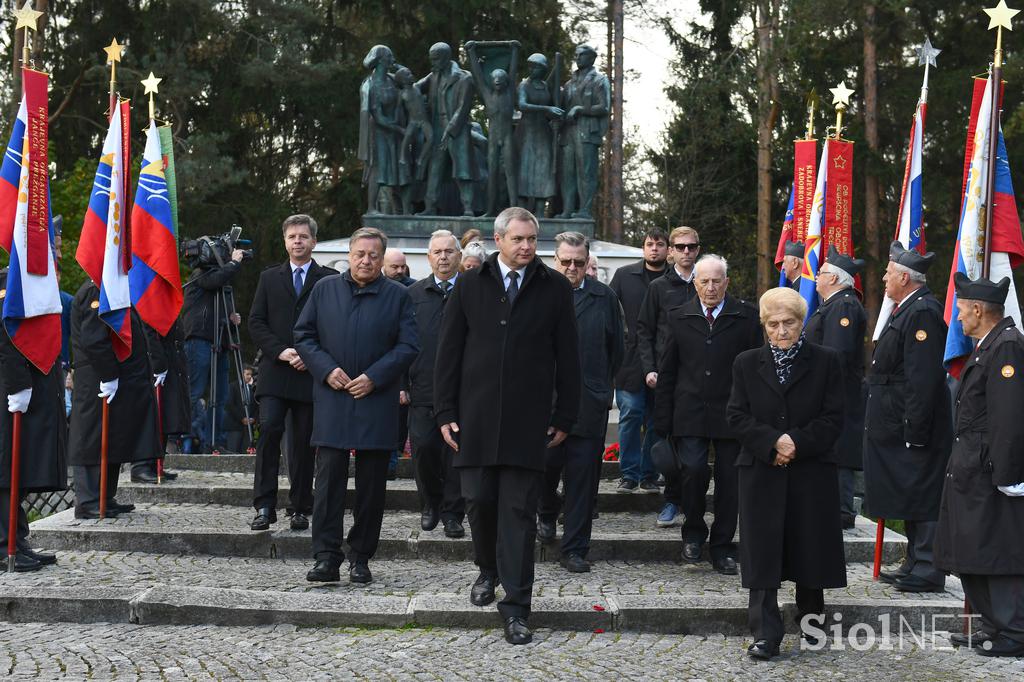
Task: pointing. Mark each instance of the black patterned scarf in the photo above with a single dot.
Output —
(784, 358)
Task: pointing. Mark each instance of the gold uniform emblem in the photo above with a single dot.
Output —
(921, 335)
(94, 305)
(845, 322)
(1007, 371)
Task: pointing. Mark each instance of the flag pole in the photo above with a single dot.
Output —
(114, 52)
(12, 527)
(812, 103)
(104, 447)
(160, 428)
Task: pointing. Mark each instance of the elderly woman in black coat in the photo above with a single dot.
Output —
(787, 412)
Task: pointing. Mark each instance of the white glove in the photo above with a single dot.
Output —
(159, 379)
(1015, 490)
(18, 402)
(107, 390)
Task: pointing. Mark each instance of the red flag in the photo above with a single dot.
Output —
(805, 161)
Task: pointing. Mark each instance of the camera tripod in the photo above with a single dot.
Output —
(224, 303)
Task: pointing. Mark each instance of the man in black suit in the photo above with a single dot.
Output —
(508, 385)
(284, 384)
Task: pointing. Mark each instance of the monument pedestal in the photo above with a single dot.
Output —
(395, 226)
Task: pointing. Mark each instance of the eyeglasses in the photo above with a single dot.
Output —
(566, 262)
(686, 247)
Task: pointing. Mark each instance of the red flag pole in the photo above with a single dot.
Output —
(160, 435)
(104, 442)
(12, 526)
(879, 537)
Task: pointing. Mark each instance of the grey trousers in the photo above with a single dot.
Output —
(87, 485)
(1000, 601)
(920, 558)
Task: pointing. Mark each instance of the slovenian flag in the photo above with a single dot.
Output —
(812, 240)
(154, 279)
(100, 249)
(31, 302)
(786, 236)
(1007, 246)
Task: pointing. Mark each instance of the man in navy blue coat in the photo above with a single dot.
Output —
(357, 337)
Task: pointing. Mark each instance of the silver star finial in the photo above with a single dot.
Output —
(926, 54)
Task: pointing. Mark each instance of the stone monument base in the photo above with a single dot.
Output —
(423, 226)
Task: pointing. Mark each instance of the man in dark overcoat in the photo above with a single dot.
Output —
(578, 458)
(39, 398)
(839, 323)
(509, 334)
(665, 293)
(436, 479)
(284, 386)
(707, 333)
(126, 385)
(357, 338)
(908, 421)
(170, 378)
(982, 509)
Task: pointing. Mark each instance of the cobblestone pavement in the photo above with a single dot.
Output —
(415, 577)
(126, 652)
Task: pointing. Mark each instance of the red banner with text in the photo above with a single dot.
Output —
(37, 139)
(805, 159)
(838, 198)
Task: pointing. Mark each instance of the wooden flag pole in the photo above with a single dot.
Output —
(12, 526)
(104, 446)
(160, 430)
(879, 538)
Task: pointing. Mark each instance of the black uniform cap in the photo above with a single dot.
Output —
(981, 289)
(851, 266)
(794, 249)
(910, 259)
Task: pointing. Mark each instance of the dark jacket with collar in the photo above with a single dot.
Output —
(505, 363)
(839, 323)
(665, 293)
(363, 330)
(980, 526)
(630, 286)
(275, 309)
(428, 301)
(167, 354)
(600, 328)
(908, 402)
(695, 376)
(201, 291)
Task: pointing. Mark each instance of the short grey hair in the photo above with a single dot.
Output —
(513, 213)
(444, 234)
(572, 239)
(475, 250)
(369, 233)
(713, 257)
(915, 276)
(299, 219)
(843, 278)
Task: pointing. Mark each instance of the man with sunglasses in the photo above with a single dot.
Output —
(669, 291)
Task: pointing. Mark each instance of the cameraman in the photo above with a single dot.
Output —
(201, 295)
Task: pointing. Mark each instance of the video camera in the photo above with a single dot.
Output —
(214, 251)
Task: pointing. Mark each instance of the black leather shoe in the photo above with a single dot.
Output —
(92, 513)
(691, 552)
(574, 563)
(976, 639)
(44, 558)
(453, 529)
(810, 639)
(429, 518)
(516, 631)
(121, 508)
(890, 577)
(725, 565)
(849, 521)
(999, 645)
(482, 593)
(913, 583)
(144, 477)
(323, 572)
(169, 475)
(299, 522)
(359, 573)
(545, 530)
(264, 517)
(762, 651)
(23, 563)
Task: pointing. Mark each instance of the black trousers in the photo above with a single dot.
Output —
(765, 619)
(695, 481)
(436, 479)
(502, 506)
(87, 485)
(5, 520)
(578, 461)
(301, 459)
(329, 504)
(1000, 601)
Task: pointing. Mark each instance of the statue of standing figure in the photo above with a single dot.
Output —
(587, 98)
(538, 95)
(449, 92)
(380, 128)
(419, 134)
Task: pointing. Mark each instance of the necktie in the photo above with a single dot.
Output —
(298, 282)
(446, 287)
(709, 314)
(577, 293)
(513, 286)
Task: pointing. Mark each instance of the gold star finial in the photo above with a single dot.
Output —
(114, 51)
(27, 17)
(151, 84)
(1000, 16)
(841, 95)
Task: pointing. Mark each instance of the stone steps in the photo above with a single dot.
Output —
(190, 589)
(221, 530)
